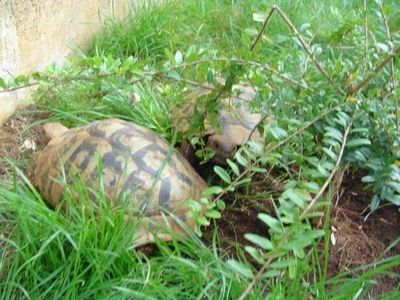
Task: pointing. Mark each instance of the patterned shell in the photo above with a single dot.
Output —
(135, 163)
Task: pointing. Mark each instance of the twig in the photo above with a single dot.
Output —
(329, 179)
(19, 87)
(305, 46)
(304, 127)
(244, 62)
(253, 282)
(377, 69)
(266, 21)
(194, 83)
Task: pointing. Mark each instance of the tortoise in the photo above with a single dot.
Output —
(138, 165)
(237, 124)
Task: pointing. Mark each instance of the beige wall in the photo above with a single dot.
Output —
(36, 33)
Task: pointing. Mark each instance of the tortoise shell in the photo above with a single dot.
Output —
(136, 164)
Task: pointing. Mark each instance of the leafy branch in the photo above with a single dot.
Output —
(304, 44)
(284, 239)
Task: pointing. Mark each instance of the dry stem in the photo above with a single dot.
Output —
(245, 62)
(377, 69)
(304, 44)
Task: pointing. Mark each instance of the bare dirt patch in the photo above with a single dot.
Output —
(19, 139)
(359, 240)
(362, 239)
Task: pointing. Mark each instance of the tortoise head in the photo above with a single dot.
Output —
(223, 147)
(54, 130)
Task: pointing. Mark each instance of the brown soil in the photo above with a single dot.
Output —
(359, 241)
(362, 239)
(19, 140)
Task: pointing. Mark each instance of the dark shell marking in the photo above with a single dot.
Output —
(136, 163)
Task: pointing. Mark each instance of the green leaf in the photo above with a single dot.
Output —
(173, 74)
(311, 186)
(3, 84)
(233, 167)
(251, 31)
(303, 240)
(395, 199)
(229, 81)
(196, 206)
(330, 153)
(382, 46)
(213, 214)
(375, 202)
(255, 147)
(21, 79)
(212, 190)
(322, 170)
(243, 182)
(281, 264)
(368, 179)
(197, 230)
(240, 159)
(258, 170)
(203, 221)
(240, 268)
(258, 17)
(178, 57)
(331, 142)
(271, 273)
(210, 76)
(273, 223)
(315, 234)
(334, 133)
(296, 197)
(278, 133)
(292, 271)
(259, 241)
(220, 205)
(255, 254)
(36, 75)
(249, 153)
(222, 174)
(358, 142)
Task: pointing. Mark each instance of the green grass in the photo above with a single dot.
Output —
(87, 254)
(82, 255)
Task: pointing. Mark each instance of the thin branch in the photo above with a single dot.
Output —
(19, 87)
(304, 44)
(266, 21)
(253, 282)
(329, 179)
(354, 89)
(203, 86)
(307, 125)
(244, 62)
